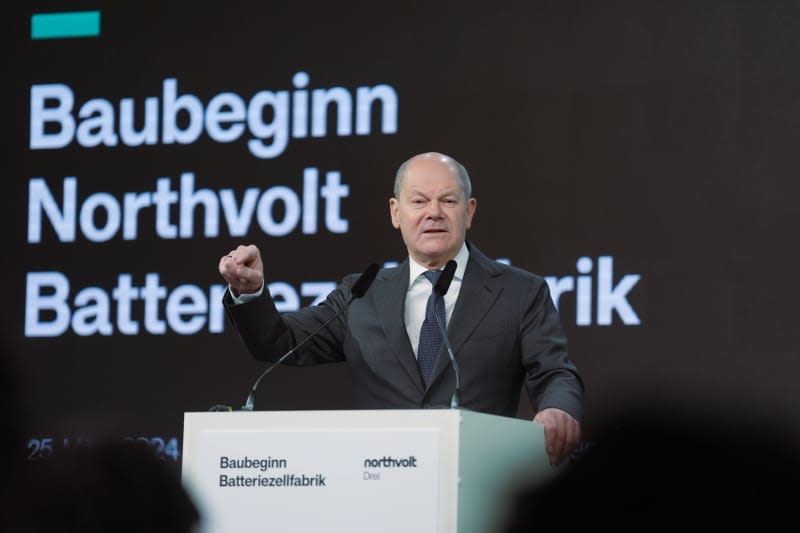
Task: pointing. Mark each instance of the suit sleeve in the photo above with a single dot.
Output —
(269, 334)
(551, 379)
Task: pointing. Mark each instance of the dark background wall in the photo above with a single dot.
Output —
(661, 135)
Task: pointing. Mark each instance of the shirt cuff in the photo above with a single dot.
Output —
(244, 298)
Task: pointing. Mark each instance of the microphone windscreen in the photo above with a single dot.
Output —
(363, 283)
(445, 279)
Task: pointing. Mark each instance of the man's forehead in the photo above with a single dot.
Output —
(431, 187)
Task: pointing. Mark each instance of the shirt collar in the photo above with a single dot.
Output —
(415, 270)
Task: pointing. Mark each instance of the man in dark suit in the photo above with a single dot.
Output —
(501, 321)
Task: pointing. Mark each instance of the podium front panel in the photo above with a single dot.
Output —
(389, 471)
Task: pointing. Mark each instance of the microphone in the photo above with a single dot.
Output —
(440, 289)
(359, 289)
(444, 281)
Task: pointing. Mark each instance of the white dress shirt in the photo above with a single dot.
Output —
(419, 288)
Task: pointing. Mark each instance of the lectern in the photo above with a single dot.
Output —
(421, 471)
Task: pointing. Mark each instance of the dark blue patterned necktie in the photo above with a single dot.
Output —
(430, 337)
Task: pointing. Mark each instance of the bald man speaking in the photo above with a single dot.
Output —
(501, 322)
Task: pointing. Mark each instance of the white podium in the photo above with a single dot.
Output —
(420, 471)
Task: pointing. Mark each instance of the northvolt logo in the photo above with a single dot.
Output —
(391, 462)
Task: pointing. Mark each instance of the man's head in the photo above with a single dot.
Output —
(432, 207)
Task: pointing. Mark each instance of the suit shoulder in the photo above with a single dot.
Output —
(508, 273)
(350, 279)
(519, 275)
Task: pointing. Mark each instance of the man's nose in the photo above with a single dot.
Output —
(434, 210)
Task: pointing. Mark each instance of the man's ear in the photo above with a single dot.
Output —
(394, 212)
(472, 205)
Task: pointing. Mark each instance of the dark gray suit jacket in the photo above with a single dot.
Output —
(504, 331)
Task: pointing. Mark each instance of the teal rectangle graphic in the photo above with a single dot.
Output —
(65, 25)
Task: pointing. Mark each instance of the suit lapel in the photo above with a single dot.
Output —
(479, 291)
(387, 294)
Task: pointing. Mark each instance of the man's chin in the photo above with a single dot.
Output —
(434, 254)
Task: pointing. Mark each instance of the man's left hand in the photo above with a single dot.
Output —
(561, 433)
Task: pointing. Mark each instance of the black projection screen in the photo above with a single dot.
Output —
(641, 155)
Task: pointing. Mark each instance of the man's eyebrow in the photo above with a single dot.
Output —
(455, 190)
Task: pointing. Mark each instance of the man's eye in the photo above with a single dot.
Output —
(417, 201)
(450, 201)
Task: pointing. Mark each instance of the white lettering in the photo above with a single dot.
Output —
(321, 99)
(152, 293)
(278, 209)
(133, 203)
(173, 105)
(284, 296)
(300, 106)
(63, 221)
(187, 308)
(124, 294)
(98, 124)
(583, 307)
(164, 197)
(238, 219)
(609, 298)
(271, 117)
(614, 298)
(366, 96)
(216, 312)
(310, 184)
(225, 108)
(113, 217)
(187, 300)
(265, 215)
(127, 122)
(277, 130)
(41, 115)
(189, 200)
(333, 192)
(319, 290)
(36, 302)
(559, 286)
(93, 313)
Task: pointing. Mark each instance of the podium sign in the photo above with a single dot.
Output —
(354, 471)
